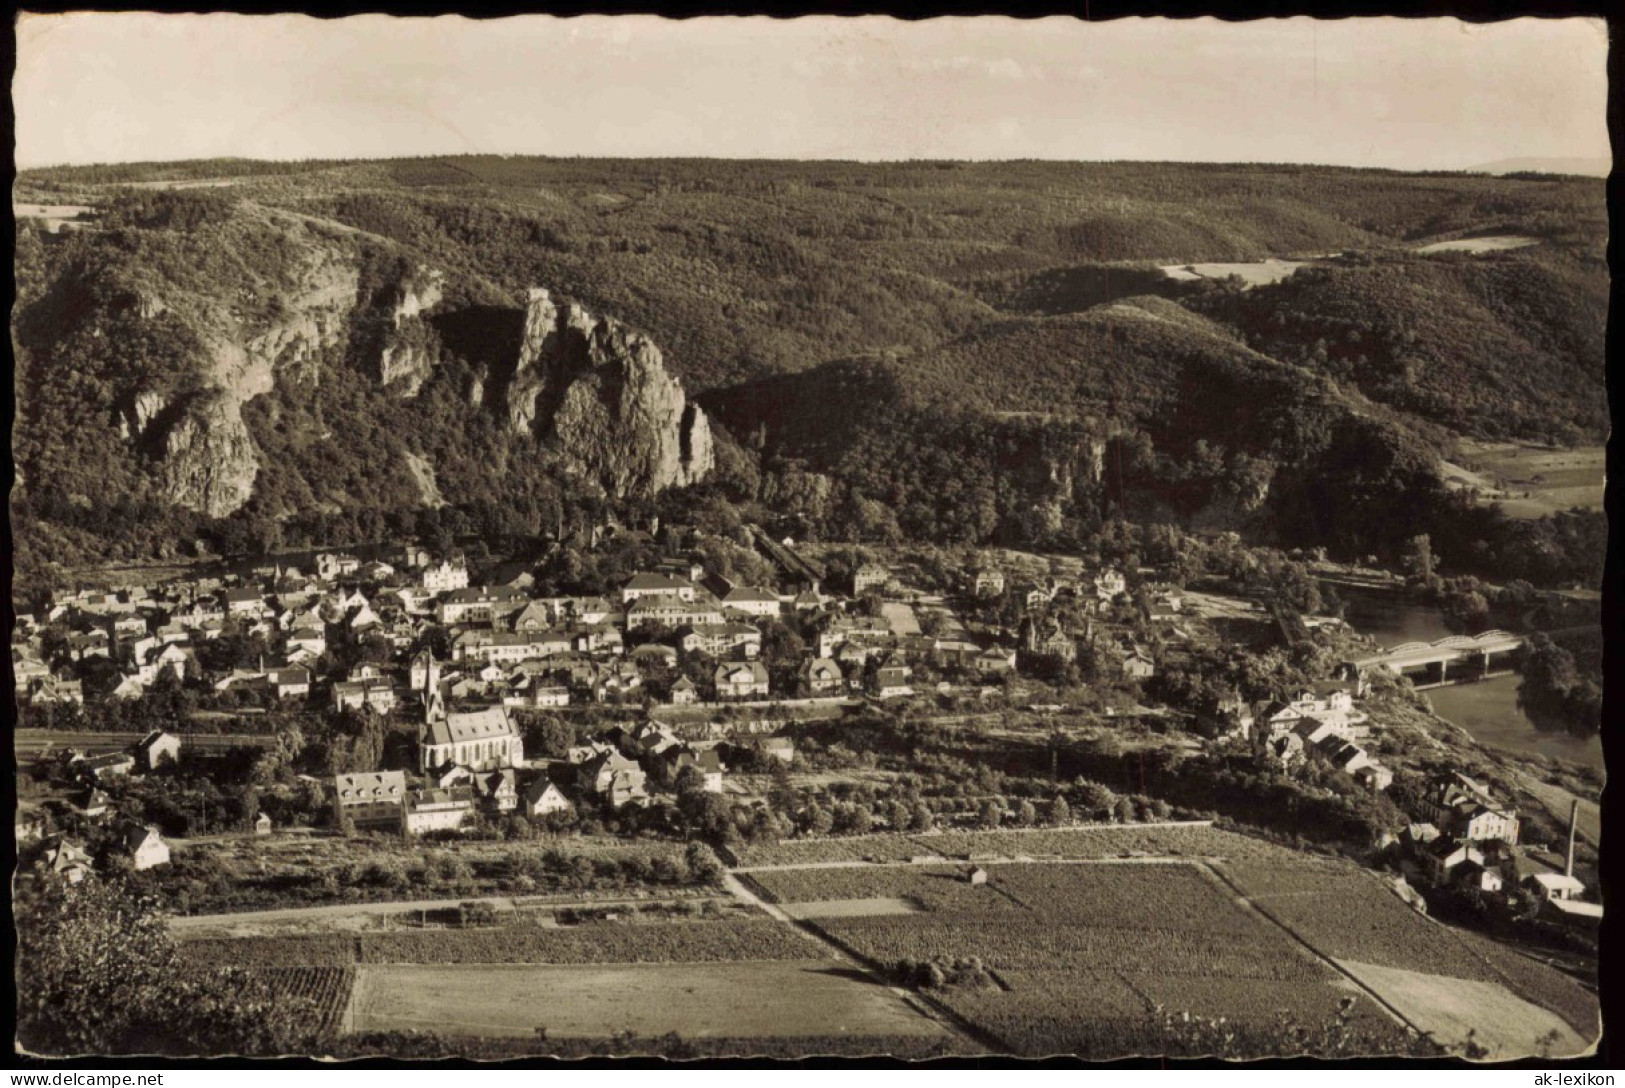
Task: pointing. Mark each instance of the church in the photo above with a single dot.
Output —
(481, 740)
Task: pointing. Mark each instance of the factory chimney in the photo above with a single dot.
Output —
(1574, 818)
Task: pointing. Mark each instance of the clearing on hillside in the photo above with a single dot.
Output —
(813, 998)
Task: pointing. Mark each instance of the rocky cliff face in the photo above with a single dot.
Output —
(209, 458)
(407, 359)
(599, 393)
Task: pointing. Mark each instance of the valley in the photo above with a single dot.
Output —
(490, 606)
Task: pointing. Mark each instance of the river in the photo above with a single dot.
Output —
(1488, 709)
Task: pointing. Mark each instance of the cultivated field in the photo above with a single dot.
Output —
(608, 942)
(1253, 273)
(1531, 481)
(813, 998)
(1489, 243)
(851, 908)
(1348, 915)
(1449, 1009)
(1105, 841)
(1079, 957)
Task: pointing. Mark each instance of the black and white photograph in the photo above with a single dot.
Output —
(950, 540)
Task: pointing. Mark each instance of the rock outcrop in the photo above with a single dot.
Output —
(600, 395)
(209, 460)
(407, 358)
(140, 413)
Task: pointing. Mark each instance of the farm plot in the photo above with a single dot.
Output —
(1450, 1009)
(294, 950)
(932, 888)
(851, 908)
(856, 848)
(1108, 841)
(674, 942)
(1351, 916)
(328, 990)
(677, 942)
(1079, 956)
(1057, 1012)
(786, 999)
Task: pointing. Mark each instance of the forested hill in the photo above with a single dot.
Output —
(342, 337)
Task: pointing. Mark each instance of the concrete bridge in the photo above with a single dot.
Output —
(1433, 659)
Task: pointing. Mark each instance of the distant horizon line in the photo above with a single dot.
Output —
(1598, 160)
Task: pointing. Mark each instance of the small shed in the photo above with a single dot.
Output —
(976, 875)
(262, 824)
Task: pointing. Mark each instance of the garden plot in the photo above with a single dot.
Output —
(1449, 1009)
(851, 908)
(816, 998)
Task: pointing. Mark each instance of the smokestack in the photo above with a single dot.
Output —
(1574, 818)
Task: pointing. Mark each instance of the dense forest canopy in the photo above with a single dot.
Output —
(966, 352)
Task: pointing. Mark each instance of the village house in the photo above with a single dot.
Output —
(145, 848)
(483, 740)
(543, 797)
(740, 680)
(1332, 705)
(288, 683)
(1461, 807)
(647, 584)
(508, 646)
(822, 676)
(103, 767)
(437, 809)
(612, 777)
(1136, 663)
(244, 603)
(445, 576)
(684, 692)
(374, 693)
(994, 661)
(498, 790)
(654, 655)
(722, 639)
(615, 680)
(1442, 856)
(890, 680)
(158, 749)
(51, 689)
(671, 610)
(68, 861)
(533, 692)
(331, 567)
(1110, 585)
(676, 757)
(867, 577)
(751, 601)
(489, 604)
(27, 667)
(987, 582)
(308, 640)
(370, 801)
(596, 638)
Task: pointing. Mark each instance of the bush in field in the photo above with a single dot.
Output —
(704, 867)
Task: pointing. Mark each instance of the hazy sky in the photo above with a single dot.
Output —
(1405, 93)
